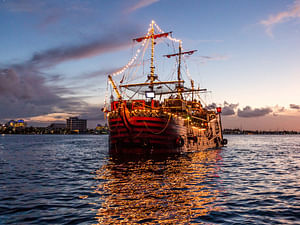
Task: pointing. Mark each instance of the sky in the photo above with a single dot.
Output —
(55, 56)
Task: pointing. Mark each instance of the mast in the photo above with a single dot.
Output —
(192, 84)
(152, 77)
(153, 36)
(179, 86)
(179, 72)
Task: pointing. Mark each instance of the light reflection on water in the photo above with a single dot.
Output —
(165, 191)
(57, 179)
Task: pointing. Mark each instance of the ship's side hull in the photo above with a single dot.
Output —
(158, 135)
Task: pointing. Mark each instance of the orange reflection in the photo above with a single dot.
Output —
(168, 191)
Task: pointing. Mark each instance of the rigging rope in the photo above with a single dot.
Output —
(143, 54)
(123, 69)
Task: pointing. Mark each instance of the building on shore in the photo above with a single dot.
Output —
(16, 124)
(76, 125)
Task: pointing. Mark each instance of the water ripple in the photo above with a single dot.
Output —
(72, 180)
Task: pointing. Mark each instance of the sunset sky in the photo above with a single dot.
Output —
(55, 56)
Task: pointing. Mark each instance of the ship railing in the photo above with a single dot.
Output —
(198, 118)
(195, 105)
(174, 104)
(144, 113)
(138, 104)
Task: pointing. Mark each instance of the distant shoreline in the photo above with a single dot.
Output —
(4, 134)
(51, 131)
(226, 132)
(258, 132)
(298, 133)
(105, 131)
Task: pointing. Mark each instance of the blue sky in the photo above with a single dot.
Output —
(55, 55)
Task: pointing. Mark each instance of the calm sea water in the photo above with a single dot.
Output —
(72, 180)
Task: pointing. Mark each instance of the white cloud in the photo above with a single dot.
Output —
(205, 59)
(281, 17)
(140, 4)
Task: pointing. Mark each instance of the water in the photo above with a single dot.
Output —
(72, 180)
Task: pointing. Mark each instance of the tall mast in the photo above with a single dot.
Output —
(152, 77)
(179, 63)
(179, 72)
(192, 84)
(179, 86)
(153, 36)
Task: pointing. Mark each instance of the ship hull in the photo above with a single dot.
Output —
(162, 135)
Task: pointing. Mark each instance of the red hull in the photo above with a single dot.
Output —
(149, 135)
(145, 135)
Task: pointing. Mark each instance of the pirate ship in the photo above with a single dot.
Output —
(157, 116)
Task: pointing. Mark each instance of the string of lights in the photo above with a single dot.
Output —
(138, 63)
(169, 37)
(178, 41)
(123, 69)
(139, 50)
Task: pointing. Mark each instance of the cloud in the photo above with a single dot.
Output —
(92, 113)
(26, 92)
(28, 95)
(277, 110)
(52, 18)
(96, 74)
(294, 106)
(104, 72)
(229, 109)
(27, 6)
(249, 112)
(211, 106)
(46, 7)
(111, 42)
(209, 40)
(281, 17)
(49, 12)
(140, 4)
(205, 59)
